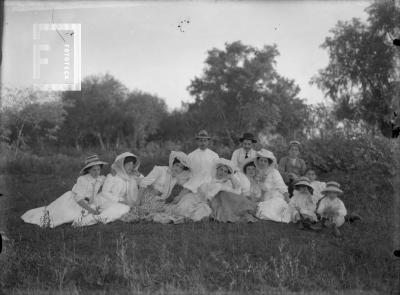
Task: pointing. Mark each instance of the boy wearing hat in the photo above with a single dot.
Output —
(331, 208)
(302, 204)
(201, 162)
(246, 150)
(292, 166)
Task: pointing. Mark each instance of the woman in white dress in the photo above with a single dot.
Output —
(274, 190)
(157, 186)
(119, 193)
(73, 204)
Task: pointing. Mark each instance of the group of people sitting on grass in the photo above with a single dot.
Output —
(199, 186)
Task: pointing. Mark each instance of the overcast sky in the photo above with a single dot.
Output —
(141, 45)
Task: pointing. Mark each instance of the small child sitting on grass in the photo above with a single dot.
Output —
(332, 210)
(302, 204)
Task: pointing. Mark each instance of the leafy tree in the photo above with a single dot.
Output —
(240, 91)
(28, 121)
(141, 114)
(362, 77)
(95, 111)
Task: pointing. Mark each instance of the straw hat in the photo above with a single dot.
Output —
(224, 162)
(248, 136)
(202, 134)
(303, 181)
(92, 161)
(295, 142)
(332, 186)
(181, 156)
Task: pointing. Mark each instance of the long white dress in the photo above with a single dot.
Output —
(201, 163)
(65, 209)
(274, 207)
(119, 194)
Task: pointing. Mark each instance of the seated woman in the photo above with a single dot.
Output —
(73, 204)
(119, 193)
(157, 186)
(195, 206)
(231, 204)
(274, 191)
(249, 184)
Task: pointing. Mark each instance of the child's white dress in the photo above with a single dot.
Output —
(333, 210)
(303, 204)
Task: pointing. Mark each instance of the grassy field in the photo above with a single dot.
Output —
(194, 258)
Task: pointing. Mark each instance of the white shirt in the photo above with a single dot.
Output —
(201, 163)
(273, 185)
(238, 156)
(210, 189)
(336, 205)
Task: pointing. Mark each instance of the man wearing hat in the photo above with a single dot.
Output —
(246, 150)
(201, 162)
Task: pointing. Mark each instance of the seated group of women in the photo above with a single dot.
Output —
(193, 187)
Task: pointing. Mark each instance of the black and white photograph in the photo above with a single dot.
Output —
(217, 147)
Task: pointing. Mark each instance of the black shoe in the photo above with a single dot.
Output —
(354, 217)
(316, 226)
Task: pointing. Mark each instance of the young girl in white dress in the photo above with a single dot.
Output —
(73, 204)
(119, 193)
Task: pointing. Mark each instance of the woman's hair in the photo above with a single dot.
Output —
(248, 165)
(130, 159)
(176, 161)
(270, 161)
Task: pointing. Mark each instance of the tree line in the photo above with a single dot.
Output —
(238, 91)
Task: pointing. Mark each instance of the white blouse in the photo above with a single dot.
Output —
(335, 205)
(273, 185)
(115, 189)
(86, 187)
(201, 164)
(161, 179)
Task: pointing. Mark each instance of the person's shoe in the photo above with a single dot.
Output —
(336, 232)
(301, 225)
(354, 217)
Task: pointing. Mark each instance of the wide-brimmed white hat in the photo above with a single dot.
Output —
(304, 181)
(181, 156)
(263, 153)
(224, 162)
(332, 186)
(90, 161)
